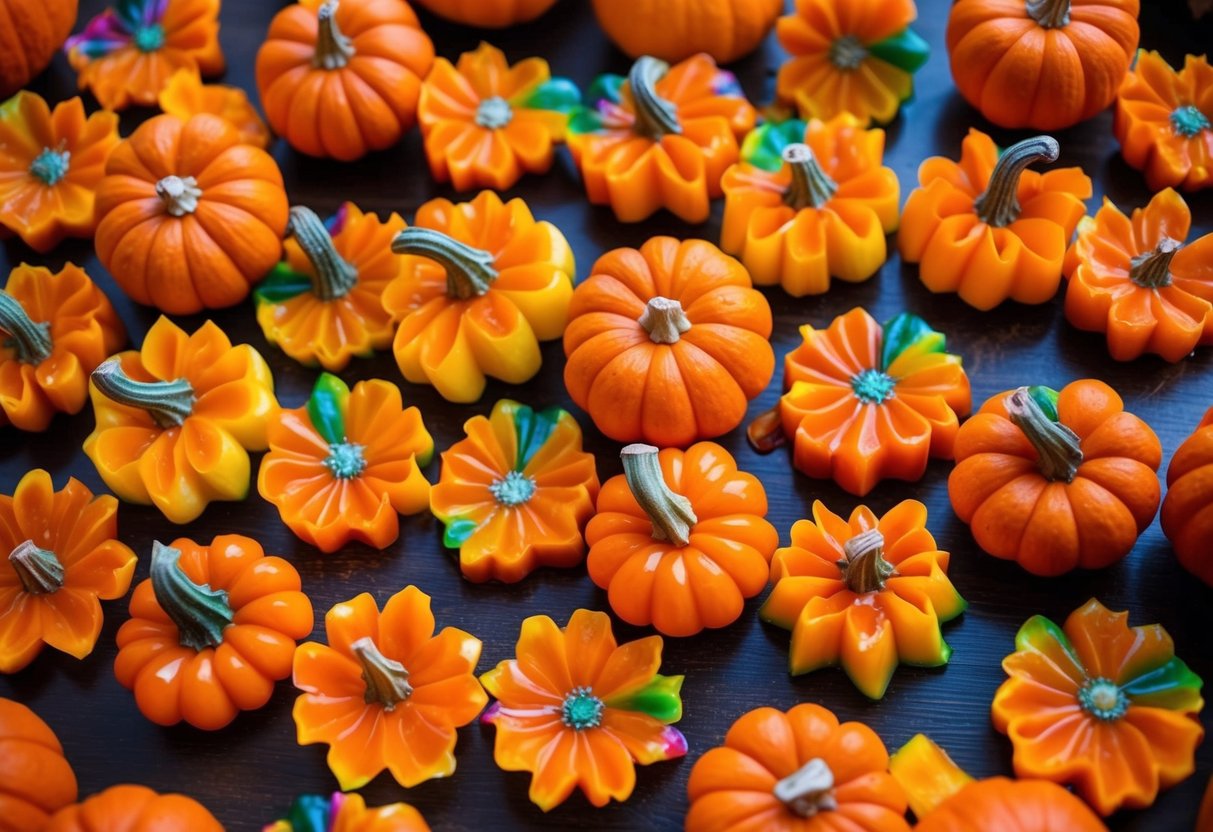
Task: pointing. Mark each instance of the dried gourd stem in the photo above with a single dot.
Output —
(999, 205)
(864, 568)
(655, 116)
(180, 194)
(664, 320)
(334, 276)
(811, 186)
(808, 790)
(1152, 269)
(39, 571)
(30, 339)
(1058, 447)
(1049, 14)
(387, 680)
(333, 49)
(200, 613)
(169, 403)
(765, 433)
(469, 270)
(671, 514)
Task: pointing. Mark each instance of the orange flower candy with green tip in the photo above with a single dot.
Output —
(578, 710)
(1139, 282)
(867, 593)
(1101, 706)
(516, 493)
(51, 162)
(185, 95)
(486, 123)
(177, 418)
(386, 692)
(347, 813)
(345, 465)
(54, 330)
(809, 202)
(61, 556)
(323, 304)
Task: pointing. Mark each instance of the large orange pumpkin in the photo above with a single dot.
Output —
(35, 780)
(30, 34)
(677, 29)
(189, 217)
(341, 79)
(1045, 64)
(488, 14)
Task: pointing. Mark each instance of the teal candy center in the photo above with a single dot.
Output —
(514, 489)
(581, 709)
(50, 165)
(847, 52)
(345, 460)
(1188, 121)
(494, 112)
(873, 386)
(1103, 699)
(149, 38)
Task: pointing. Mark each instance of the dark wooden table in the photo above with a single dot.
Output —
(248, 773)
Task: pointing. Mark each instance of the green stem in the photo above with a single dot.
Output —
(333, 48)
(999, 205)
(169, 403)
(39, 571)
(180, 194)
(200, 613)
(811, 186)
(31, 340)
(808, 790)
(469, 270)
(1152, 269)
(387, 680)
(334, 276)
(1049, 14)
(1057, 446)
(664, 320)
(671, 514)
(864, 568)
(655, 116)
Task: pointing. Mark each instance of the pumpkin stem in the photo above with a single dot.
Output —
(808, 790)
(810, 185)
(30, 340)
(1152, 269)
(469, 270)
(333, 48)
(671, 514)
(655, 116)
(200, 613)
(39, 571)
(169, 403)
(864, 568)
(387, 680)
(664, 320)
(1049, 14)
(999, 205)
(765, 433)
(1057, 446)
(334, 275)
(494, 113)
(180, 194)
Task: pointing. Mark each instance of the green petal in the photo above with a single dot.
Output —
(905, 50)
(1173, 686)
(1039, 633)
(531, 429)
(310, 813)
(457, 531)
(903, 332)
(605, 87)
(282, 283)
(1046, 397)
(659, 699)
(326, 407)
(558, 94)
(764, 145)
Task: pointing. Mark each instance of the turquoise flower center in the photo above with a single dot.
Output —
(50, 165)
(345, 460)
(873, 386)
(847, 53)
(494, 112)
(514, 489)
(1188, 121)
(149, 38)
(581, 709)
(1103, 699)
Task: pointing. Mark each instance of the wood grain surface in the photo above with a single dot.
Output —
(248, 773)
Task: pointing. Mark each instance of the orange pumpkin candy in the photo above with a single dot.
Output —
(35, 779)
(725, 29)
(488, 14)
(129, 808)
(342, 79)
(667, 344)
(1187, 511)
(30, 34)
(189, 217)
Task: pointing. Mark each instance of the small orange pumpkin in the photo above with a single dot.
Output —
(488, 14)
(1187, 511)
(725, 29)
(35, 779)
(129, 808)
(30, 35)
